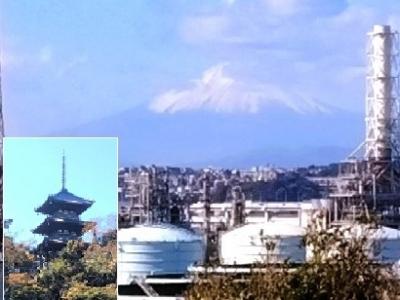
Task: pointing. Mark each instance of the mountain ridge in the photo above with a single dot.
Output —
(202, 137)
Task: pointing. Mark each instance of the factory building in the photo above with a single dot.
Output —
(222, 215)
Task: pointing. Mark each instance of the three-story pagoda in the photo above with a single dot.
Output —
(63, 222)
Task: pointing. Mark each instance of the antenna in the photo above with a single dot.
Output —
(63, 171)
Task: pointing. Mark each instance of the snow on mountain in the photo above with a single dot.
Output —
(220, 92)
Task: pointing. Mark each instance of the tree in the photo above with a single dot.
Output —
(340, 268)
(80, 291)
(79, 272)
(22, 286)
(56, 276)
(16, 256)
(27, 292)
(100, 264)
(59, 272)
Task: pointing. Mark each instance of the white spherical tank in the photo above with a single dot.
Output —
(154, 250)
(264, 242)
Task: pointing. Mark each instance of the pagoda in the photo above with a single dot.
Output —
(63, 222)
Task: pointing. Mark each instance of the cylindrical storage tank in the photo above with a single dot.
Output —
(382, 245)
(157, 250)
(268, 242)
(387, 245)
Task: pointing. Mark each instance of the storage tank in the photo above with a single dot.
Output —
(383, 243)
(262, 242)
(157, 250)
(387, 245)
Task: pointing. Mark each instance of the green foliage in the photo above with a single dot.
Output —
(78, 273)
(100, 267)
(269, 284)
(56, 276)
(340, 268)
(15, 255)
(79, 291)
(27, 292)
(22, 286)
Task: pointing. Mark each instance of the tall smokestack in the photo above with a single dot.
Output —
(381, 96)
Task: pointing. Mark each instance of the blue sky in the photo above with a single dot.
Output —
(32, 171)
(72, 62)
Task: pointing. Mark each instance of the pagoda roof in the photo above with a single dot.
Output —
(52, 224)
(52, 244)
(64, 200)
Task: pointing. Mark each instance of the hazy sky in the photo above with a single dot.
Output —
(70, 62)
(32, 171)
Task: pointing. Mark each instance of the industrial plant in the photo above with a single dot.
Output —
(176, 222)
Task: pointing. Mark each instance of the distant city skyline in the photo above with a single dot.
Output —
(33, 171)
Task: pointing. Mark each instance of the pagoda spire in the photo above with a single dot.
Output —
(63, 172)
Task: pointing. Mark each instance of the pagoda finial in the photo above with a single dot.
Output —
(63, 171)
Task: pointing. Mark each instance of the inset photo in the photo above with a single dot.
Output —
(60, 218)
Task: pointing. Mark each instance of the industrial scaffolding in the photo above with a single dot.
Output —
(369, 179)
